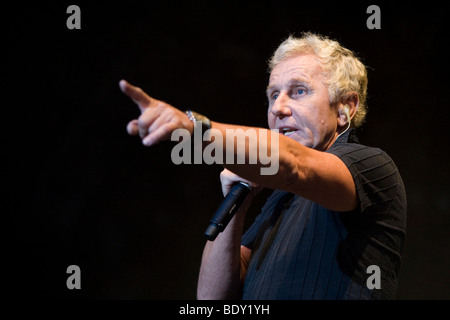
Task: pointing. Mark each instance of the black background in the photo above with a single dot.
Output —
(79, 190)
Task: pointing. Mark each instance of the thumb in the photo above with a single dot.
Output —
(228, 179)
(132, 128)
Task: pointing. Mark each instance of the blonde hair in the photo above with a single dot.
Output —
(343, 70)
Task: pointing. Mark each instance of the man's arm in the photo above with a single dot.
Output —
(315, 175)
(319, 176)
(224, 262)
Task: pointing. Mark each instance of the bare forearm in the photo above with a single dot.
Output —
(285, 156)
(219, 276)
(318, 176)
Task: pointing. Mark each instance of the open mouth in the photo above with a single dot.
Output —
(287, 131)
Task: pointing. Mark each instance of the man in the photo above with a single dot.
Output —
(334, 225)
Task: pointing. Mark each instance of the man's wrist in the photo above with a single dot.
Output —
(199, 119)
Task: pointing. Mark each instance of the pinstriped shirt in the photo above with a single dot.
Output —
(301, 250)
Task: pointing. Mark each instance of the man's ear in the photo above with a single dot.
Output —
(351, 102)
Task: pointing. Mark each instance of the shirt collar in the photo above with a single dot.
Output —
(348, 137)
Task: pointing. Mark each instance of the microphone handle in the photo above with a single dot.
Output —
(227, 209)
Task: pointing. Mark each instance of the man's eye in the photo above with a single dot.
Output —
(275, 96)
(300, 92)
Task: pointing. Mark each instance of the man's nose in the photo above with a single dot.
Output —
(281, 107)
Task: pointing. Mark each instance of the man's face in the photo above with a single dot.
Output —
(299, 103)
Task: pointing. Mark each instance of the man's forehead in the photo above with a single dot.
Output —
(304, 66)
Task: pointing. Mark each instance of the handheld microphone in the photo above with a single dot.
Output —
(227, 209)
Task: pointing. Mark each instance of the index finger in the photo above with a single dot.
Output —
(136, 94)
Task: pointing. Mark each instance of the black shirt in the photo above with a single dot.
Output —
(301, 250)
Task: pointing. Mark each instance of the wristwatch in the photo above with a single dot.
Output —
(197, 119)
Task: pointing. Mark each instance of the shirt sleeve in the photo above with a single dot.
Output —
(376, 177)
